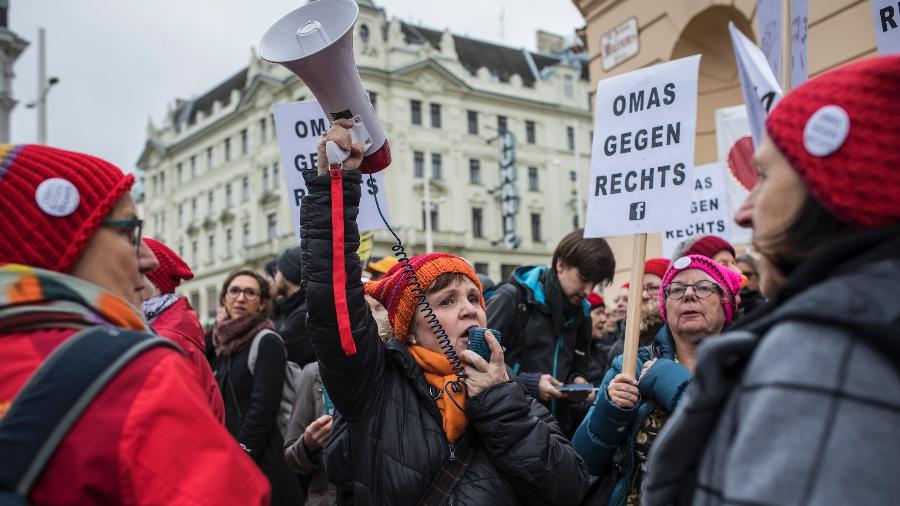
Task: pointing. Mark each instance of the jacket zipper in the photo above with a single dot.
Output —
(555, 364)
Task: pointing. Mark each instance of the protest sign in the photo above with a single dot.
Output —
(299, 126)
(643, 150)
(799, 39)
(769, 15)
(770, 20)
(886, 14)
(709, 214)
(758, 83)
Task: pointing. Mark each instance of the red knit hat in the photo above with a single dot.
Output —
(595, 300)
(709, 246)
(841, 132)
(656, 266)
(52, 202)
(172, 269)
(394, 293)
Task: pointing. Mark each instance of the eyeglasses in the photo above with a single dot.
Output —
(131, 228)
(702, 289)
(249, 293)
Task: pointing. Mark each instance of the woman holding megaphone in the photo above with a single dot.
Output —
(414, 437)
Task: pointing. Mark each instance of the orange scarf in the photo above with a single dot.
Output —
(438, 373)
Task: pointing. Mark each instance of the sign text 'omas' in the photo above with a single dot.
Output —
(299, 126)
(643, 149)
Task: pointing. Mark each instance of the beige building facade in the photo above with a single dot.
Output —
(214, 186)
(839, 31)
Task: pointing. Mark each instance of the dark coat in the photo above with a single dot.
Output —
(251, 407)
(394, 427)
(533, 345)
(293, 329)
(607, 434)
(800, 403)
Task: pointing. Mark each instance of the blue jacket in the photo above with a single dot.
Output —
(605, 437)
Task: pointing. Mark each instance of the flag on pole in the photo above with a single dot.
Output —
(758, 84)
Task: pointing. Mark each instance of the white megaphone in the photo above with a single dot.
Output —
(315, 42)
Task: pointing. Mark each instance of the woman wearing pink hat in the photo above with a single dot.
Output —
(800, 403)
(697, 298)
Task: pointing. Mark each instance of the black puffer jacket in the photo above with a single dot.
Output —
(395, 430)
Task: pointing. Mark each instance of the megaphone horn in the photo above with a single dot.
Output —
(315, 42)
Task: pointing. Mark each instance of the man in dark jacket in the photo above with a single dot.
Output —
(292, 308)
(545, 321)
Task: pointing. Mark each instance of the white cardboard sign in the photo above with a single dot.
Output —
(299, 126)
(709, 213)
(643, 152)
(886, 14)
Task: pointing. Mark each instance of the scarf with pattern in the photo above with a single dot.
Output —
(38, 298)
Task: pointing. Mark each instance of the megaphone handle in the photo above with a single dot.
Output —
(336, 155)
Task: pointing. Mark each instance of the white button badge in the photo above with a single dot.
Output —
(826, 130)
(57, 197)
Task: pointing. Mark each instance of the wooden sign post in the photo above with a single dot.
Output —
(635, 303)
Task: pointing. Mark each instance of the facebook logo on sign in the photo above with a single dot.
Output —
(637, 211)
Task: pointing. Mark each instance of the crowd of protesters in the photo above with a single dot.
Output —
(763, 378)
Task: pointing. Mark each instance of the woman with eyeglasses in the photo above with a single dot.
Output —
(252, 395)
(72, 269)
(698, 298)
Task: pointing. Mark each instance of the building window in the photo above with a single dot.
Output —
(193, 252)
(245, 235)
(533, 183)
(210, 203)
(263, 134)
(536, 227)
(506, 270)
(162, 222)
(364, 33)
(245, 189)
(209, 154)
(229, 247)
(211, 244)
(570, 138)
(180, 215)
(373, 99)
(227, 149)
(211, 303)
(435, 115)
(481, 268)
(475, 171)
(228, 201)
(477, 222)
(179, 175)
(181, 250)
(195, 300)
(193, 208)
(569, 86)
(244, 146)
(415, 111)
(501, 124)
(434, 216)
(437, 170)
(162, 181)
(529, 132)
(473, 122)
(265, 178)
(272, 226)
(418, 164)
(573, 176)
(275, 175)
(193, 167)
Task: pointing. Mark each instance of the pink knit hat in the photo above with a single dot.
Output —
(728, 280)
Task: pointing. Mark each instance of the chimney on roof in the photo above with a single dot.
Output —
(550, 43)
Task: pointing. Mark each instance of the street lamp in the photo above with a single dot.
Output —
(44, 86)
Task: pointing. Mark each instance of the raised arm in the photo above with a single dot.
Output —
(353, 381)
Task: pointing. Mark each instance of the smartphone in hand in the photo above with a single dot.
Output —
(479, 345)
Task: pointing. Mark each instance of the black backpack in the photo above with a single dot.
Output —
(55, 396)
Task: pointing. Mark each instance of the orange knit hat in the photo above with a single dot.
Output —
(394, 293)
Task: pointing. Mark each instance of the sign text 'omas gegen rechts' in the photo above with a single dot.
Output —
(643, 149)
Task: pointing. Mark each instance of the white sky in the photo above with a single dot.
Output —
(121, 61)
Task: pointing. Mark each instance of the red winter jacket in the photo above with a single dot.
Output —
(179, 323)
(148, 437)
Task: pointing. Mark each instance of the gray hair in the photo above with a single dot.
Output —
(749, 260)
